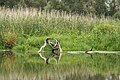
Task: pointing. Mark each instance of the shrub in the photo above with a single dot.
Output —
(19, 47)
(34, 42)
(104, 29)
(9, 39)
(101, 39)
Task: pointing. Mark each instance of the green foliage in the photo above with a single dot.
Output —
(92, 7)
(117, 15)
(23, 3)
(104, 29)
(1, 42)
(103, 37)
(20, 47)
(9, 39)
(25, 31)
(34, 41)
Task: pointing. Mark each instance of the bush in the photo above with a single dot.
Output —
(34, 42)
(104, 29)
(100, 37)
(9, 39)
(19, 47)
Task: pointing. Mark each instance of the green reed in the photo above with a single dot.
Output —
(75, 32)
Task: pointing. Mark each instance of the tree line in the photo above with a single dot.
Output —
(92, 7)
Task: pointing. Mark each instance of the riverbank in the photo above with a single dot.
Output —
(26, 29)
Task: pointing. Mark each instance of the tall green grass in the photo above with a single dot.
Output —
(75, 32)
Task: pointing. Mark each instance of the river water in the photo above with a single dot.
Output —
(29, 66)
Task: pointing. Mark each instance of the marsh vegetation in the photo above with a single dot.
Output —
(26, 28)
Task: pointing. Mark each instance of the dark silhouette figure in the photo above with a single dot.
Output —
(89, 53)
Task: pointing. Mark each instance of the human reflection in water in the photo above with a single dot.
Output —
(56, 50)
(8, 60)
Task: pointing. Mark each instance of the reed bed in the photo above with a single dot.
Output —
(75, 32)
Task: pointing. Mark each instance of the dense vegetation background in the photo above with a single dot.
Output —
(92, 7)
(77, 24)
(27, 28)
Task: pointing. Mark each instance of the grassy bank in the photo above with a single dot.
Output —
(25, 29)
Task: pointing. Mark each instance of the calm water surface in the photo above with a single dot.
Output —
(29, 66)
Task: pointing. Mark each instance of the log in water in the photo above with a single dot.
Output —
(104, 52)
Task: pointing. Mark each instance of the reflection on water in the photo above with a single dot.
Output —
(7, 60)
(29, 66)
